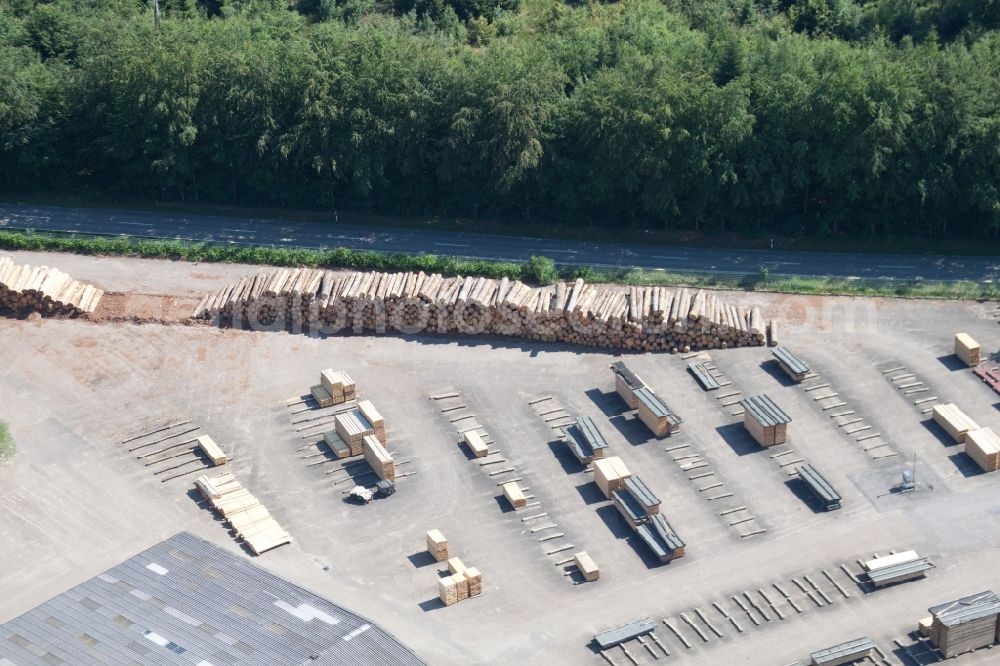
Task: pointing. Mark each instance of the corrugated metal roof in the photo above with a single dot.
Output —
(658, 408)
(858, 646)
(589, 430)
(630, 505)
(901, 570)
(967, 609)
(185, 601)
(764, 411)
(641, 492)
(791, 361)
(625, 632)
(820, 486)
(630, 378)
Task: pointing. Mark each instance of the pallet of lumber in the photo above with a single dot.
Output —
(448, 590)
(954, 421)
(476, 444)
(45, 290)
(245, 514)
(437, 545)
(373, 417)
(983, 446)
(212, 450)
(461, 585)
(611, 316)
(967, 349)
(514, 494)
(474, 579)
(966, 624)
(379, 459)
(586, 566)
(455, 565)
(339, 385)
(610, 474)
(353, 428)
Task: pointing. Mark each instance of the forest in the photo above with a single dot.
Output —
(860, 118)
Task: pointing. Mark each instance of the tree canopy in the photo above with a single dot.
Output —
(878, 117)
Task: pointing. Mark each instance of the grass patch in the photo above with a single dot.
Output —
(538, 270)
(7, 447)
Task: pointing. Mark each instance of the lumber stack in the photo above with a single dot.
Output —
(212, 450)
(514, 494)
(967, 349)
(983, 446)
(966, 624)
(45, 290)
(476, 444)
(352, 427)
(373, 417)
(379, 459)
(639, 318)
(586, 566)
(245, 514)
(954, 421)
(437, 545)
(610, 474)
(339, 385)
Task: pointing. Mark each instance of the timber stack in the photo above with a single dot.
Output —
(45, 290)
(635, 318)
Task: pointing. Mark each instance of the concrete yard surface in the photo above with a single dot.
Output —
(74, 501)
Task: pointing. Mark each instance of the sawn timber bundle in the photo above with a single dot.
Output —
(45, 290)
(642, 318)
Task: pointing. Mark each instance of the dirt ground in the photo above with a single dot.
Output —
(74, 501)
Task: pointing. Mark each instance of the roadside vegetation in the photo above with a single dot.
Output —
(846, 118)
(7, 447)
(537, 270)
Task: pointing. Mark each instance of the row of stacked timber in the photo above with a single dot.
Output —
(964, 625)
(245, 514)
(954, 421)
(983, 446)
(461, 582)
(641, 318)
(967, 349)
(46, 290)
(334, 388)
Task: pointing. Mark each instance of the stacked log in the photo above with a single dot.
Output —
(45, 290)
(635, 318)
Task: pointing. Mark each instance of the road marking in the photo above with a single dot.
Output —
(450, 245)
(891, 266)
(657, 256)
(138, 224)
(240, 231)
(562, 251)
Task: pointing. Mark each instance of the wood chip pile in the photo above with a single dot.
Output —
(643, 318)
(245, 514)
(45, 290)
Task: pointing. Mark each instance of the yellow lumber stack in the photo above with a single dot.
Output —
(475, 581)
(448, 590)
(352, 428)
(245, 514)
(983, 446)
(967, 349)
(476, 444)
(212, 450)
(379, 459)
(954, 421)
(461, 585)
(437, 545)
(586, 565)
(514, 494)
(610, 474)
(373, 417)
(45, 290)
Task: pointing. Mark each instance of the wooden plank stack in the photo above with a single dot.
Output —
(448, 590)
(212, 450)
(586, 566)
(379, 459)
(352, 428)
(983, 446)
(655, 414)
(437, 545)
(475, 580)
(966, 624)
(764, 420)
(373, 417)
(339, 385)
(476, 444)
(954, 421)
(967, 349)
(514, 494)
(245, 514)
(610, 474)
(45, 290)
(640, 318)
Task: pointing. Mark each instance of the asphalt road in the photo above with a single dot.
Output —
(284, 233)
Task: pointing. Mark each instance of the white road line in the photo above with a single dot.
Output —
(240, 231)
(889, 266)
(450, 245)
(657, 256)
(138, 224)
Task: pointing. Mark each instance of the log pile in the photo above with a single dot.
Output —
(45, 290)
(639, 318)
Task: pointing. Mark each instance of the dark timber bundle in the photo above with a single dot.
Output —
(46, 290)
(639, 318)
